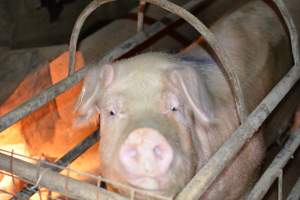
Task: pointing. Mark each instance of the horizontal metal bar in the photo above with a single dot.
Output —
(54, 181)
(271, 173)
(208, 173)
(295, 192)
(64, 161)
(55, 90)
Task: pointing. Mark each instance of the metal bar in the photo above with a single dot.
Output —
(223, 58)
(140, 16)
(64, 161)
(55, 90)
(38, 101)
(208, 173)
(54, 181)
(228, 72)
(130, 44)
(291, 27)
(271, 173)
(280, 177)
(295, 192)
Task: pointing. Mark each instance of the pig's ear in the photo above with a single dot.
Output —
(194, 89)
(96, 80)
(191, 85)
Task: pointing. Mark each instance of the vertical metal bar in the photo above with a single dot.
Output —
(292, 29)
(295, 192)
(140, 15)
(271, 173)
(280, 174)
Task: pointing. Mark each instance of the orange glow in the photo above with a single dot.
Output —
(49, 131)
(11, 140)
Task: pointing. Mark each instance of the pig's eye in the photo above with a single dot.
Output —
(174, 109)
(112, 113)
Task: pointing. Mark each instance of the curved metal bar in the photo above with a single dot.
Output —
(229, 74)
(76, 30)
(209, 37)
(291, 27)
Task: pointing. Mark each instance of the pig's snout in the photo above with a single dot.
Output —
(146, 153)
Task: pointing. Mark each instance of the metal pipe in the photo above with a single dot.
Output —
(280, 181)
(291, 27)
(38, 101)
(208, 173)
(140, 16)
(271, 173)
(295, 192)
(54, 181)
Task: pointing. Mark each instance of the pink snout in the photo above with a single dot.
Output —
(146, 153)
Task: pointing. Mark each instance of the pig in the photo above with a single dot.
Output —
(162, 116)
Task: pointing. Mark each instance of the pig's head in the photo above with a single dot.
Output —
(155, 115)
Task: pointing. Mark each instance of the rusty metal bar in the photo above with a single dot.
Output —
(55, 90)
(271, 173)
(64, 161)
(140, 16)
(54, 181)
(206, 175)
(295, 192)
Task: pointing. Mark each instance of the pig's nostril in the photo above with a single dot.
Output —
(158, 152)
(132, 153)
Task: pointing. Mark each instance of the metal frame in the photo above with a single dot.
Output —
(275, 168)
(64, 161)
(205, 177)
(42, 176)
